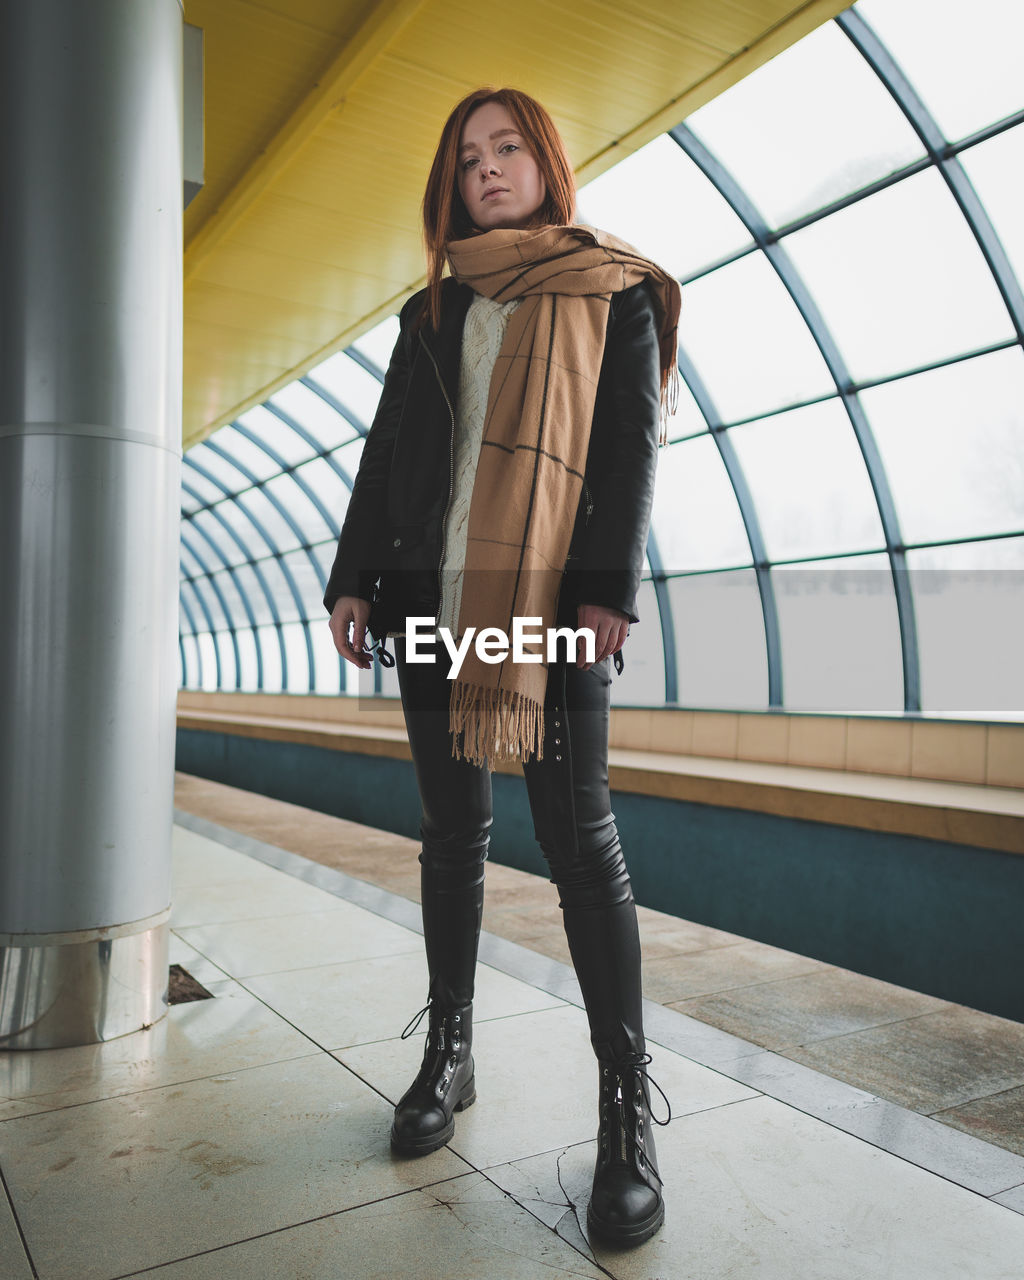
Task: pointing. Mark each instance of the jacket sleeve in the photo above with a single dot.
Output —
(358, 560)
(620, 484)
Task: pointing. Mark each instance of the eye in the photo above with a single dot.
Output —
(469, 162)
(506, 147)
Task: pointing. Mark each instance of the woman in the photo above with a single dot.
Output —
(509, 474)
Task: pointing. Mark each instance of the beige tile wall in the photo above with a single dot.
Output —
(978, 753)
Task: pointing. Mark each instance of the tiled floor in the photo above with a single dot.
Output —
(961, 1067)
(246, 1136)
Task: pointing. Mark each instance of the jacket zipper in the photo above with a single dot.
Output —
(589, 500)
(451, 463)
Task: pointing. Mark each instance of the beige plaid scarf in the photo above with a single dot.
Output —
(530, 473)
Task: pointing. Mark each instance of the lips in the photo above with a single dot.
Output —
(493, 191)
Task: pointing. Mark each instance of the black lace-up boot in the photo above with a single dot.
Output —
(452, 900)
(626, 1203)
(445, 1083)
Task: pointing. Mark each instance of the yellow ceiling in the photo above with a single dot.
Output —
(321, 117)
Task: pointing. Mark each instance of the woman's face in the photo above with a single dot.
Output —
(499, 180)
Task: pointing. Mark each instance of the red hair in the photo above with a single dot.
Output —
(445, 217)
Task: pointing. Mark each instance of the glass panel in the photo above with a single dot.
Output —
(658, 200)
(900, 280)
(840, 636)
(329, 487)
(249, 582)
(696, 518)
(209, 681)
(952, 441)
(233, 515)
(271, 648)
(196, 605)
(228, 667)
(379, 343)
(748, 341)
(965, 64)
(190, 674)
(270, 518)
(281, 590)
(642, 683)
(326, 658)
(232, 598)
(348, 457)
(357, 390)
(190, 566)
(189, 501)
(315, 415)
(995, 169)
(996, 553)
(323, 553)
(970, 624)
(808, 127)
(214, 614)
(218, 467)
(247, 454)
(688, 419)
(299, 506)
(249, 668)
(298, 661)
(809, 483)
(203, 489)
(720, 650)
(308, 582)
(279, 436)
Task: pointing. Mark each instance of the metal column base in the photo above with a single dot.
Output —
(81, 988)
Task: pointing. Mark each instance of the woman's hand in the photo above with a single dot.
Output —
(610, 628)
(348, 627)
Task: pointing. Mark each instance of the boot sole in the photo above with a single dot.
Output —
(625, 1236)
(434, 1141)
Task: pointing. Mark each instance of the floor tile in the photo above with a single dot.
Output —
(758, 1191)
(794, 1011)
(193, 962)
(14, 1264)
(366, 1000)
(258, 893)
(999, 1118)
(249, 947)
(202, 1038)
(698, 973)
(479, 1233)
(665, 935)
(930, 1063)
(128, 1183)
(958, 1157)
(1012, 1199)
(536, 1084)
(197, 858)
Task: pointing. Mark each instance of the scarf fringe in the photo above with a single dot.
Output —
(489, 725)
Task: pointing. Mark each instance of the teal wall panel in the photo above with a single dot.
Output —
(942, 918)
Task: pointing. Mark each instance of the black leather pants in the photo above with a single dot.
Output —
(573, 823)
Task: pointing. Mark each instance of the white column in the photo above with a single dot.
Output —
(90, 449)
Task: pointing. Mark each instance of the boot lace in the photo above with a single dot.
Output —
(619, 1077)
(415, 1021)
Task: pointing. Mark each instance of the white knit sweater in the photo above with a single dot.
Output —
(481, 341)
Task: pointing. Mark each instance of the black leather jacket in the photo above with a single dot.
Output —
(390, 546)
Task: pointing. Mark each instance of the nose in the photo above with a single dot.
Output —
(488, 168)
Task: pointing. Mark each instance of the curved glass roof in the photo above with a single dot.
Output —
(839, 515)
